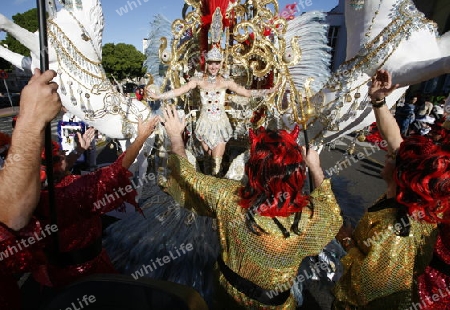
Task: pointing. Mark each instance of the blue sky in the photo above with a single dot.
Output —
(134, 25)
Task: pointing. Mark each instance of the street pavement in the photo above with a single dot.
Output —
(358, 184)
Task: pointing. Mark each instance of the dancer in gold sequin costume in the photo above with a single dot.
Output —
(392, 244)
(267, 227)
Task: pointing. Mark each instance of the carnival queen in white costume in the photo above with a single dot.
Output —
(213, 128)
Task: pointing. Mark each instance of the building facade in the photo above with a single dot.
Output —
(337, 35)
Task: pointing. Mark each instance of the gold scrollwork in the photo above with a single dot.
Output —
(253, 39)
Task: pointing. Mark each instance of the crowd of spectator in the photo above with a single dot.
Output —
(417, 113)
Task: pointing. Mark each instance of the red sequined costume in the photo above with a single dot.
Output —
(80, 200)
(434, 283)
(15, 260)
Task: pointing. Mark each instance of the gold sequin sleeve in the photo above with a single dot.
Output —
(207, 188)
(379, 271)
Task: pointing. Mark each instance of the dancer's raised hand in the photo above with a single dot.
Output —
(381, 86)
(172, 122)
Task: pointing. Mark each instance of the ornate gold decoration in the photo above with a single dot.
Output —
(254, 49)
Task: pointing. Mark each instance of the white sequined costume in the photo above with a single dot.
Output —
(213, 125)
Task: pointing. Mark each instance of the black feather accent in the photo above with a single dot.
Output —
(294, 226)
(281, 227)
